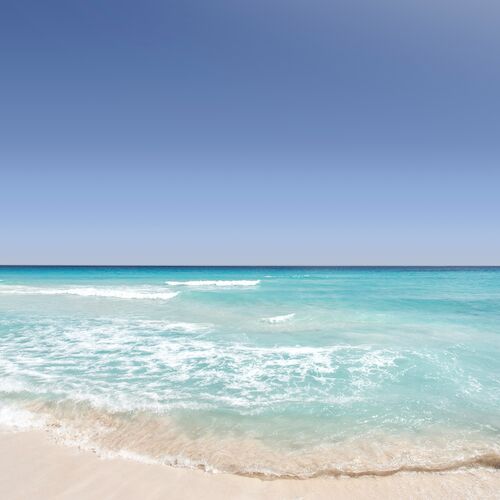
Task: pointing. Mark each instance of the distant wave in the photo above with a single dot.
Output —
(218, 283)
(279, 319)
(116, 293)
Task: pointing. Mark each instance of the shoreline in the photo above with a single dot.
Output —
(33, 465)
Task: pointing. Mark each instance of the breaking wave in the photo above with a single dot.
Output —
(115, 293)
(279, 319)
(215, 283)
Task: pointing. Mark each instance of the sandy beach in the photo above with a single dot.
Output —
(34, 466)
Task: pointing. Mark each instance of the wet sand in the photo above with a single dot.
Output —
(33, 466)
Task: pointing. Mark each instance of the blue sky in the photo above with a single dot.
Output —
(263, 132)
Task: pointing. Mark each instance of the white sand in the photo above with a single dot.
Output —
(35, 467)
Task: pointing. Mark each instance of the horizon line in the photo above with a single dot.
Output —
(259, 265)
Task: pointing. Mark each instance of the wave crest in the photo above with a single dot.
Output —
(279, 319)
(115, 293)
(214, 283)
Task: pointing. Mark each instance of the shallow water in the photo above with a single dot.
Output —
(261, 371)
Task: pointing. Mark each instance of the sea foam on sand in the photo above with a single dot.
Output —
(32, 466)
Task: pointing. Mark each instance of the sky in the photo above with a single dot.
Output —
(265, 132)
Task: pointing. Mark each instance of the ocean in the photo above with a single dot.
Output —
(262, 371)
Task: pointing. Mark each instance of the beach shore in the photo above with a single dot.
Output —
(33, 466)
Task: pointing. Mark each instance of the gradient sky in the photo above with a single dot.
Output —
(257, 132)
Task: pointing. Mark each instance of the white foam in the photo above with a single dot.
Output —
(217, 283)
(19, 419)
(279, 319)
(10, 385)
(175, 326)
(117, 293)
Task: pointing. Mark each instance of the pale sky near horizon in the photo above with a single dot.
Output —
(267, 132)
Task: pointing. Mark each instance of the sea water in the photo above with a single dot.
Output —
(275, 372)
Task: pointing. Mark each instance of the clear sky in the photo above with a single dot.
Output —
(250, 132)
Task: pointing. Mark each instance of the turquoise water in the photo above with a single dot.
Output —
(262, 371)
